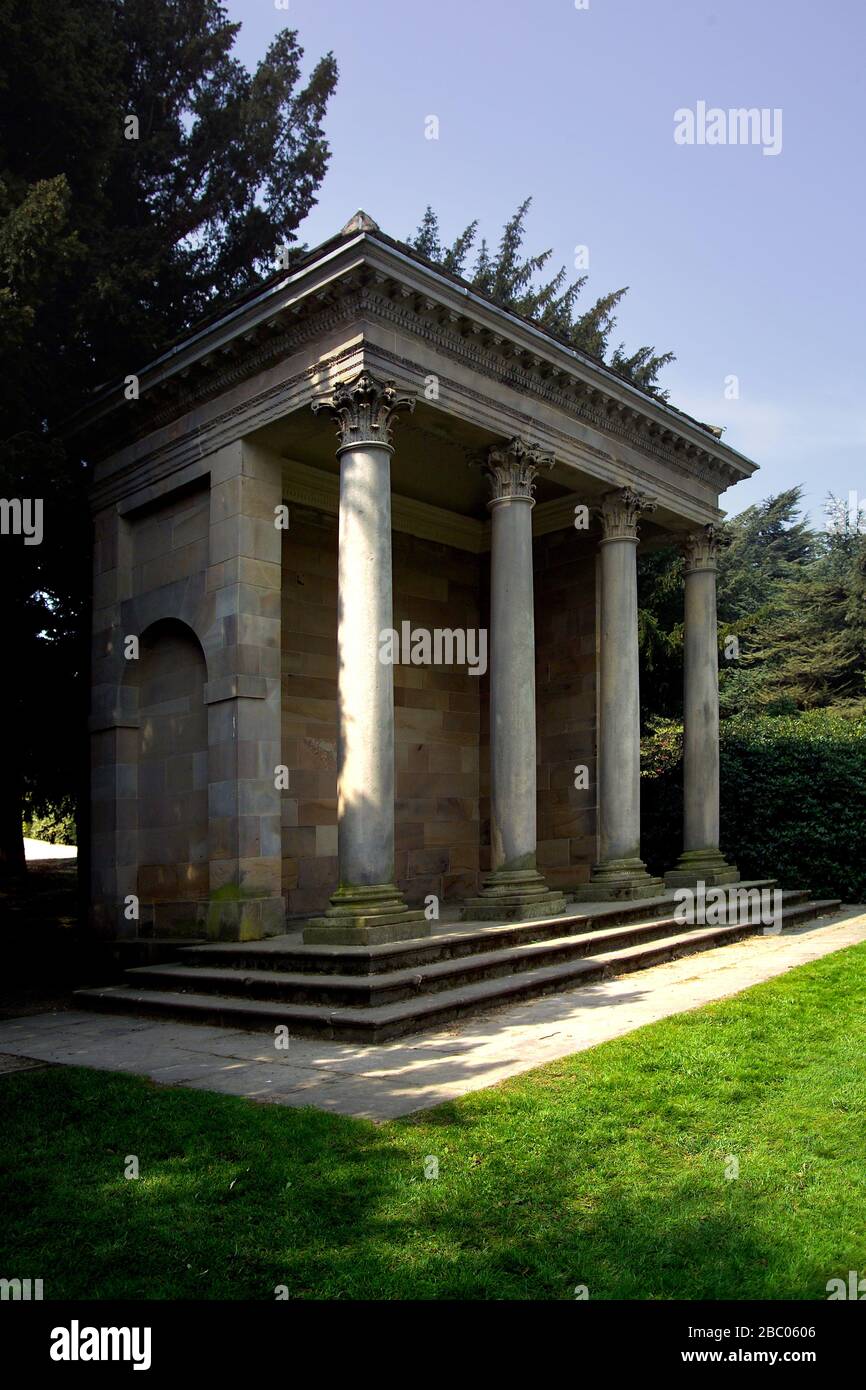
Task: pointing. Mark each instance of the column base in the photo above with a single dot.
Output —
(621, 880)
(370, 915)
(707, 866)
(513, 895)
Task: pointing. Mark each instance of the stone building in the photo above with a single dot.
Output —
(365, 445)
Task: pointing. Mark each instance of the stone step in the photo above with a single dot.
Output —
(151, 950)
(292, 956)
(386, 987)
(385, 1021)
(812, 908)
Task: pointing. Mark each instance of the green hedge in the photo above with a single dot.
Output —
(54, 824)
(793, 799)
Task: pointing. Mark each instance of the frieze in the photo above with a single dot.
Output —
(476, 347)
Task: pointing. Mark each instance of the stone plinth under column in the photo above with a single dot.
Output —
(708, 866)
(371, 915)
(513, 895)
(621, 880)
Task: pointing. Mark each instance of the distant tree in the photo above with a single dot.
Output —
(145, 176)
(511, 279)
(794, 598)
(810, 648)
(855, 607)
(660, 632)
(768, 542)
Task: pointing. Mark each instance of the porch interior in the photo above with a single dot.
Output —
(441, 579)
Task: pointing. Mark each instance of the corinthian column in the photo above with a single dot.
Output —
(620, 872)
(366, 908)
(514, 889)
(701, 859)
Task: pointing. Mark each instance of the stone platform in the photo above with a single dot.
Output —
(371, 994)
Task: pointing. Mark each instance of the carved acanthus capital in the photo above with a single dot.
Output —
(701, 548)
(364, 410)
(512, 468)
(620, 513)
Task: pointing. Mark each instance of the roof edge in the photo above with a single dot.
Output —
(243, 317)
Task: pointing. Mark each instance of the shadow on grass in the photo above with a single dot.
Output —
(234, 1200)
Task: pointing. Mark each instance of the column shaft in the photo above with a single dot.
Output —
(512, 688)
(367, 907)
(619, 704)
(365, 786)
(701, 713)
(514, 889)
(620, 873)
(701, 859)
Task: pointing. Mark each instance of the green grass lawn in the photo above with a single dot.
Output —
(605, 1169)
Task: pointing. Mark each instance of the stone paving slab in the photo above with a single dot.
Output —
(41, 851)
(10, 1063)
(392, 1079)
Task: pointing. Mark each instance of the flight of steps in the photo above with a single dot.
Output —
(373, 994)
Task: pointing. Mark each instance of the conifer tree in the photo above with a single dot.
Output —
(145, 177)
(517, 282)
(794, 598)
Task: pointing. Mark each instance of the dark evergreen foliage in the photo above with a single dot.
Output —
(109, 248)
(511, 279)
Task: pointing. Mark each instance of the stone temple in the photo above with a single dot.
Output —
(365, 445)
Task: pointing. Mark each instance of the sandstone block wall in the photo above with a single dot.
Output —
(566, 663)
(437, 719)
(441, 731)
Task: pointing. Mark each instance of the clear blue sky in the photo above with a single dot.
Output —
(744, 264)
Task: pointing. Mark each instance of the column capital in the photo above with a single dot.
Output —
(701, 548)
(364, 410)
(620, 513)
(511, 469)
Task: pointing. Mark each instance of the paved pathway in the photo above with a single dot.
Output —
(41, 850)
(396, 1078)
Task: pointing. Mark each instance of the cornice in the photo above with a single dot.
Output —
(478, 335)
(554, 386)
(567, 449)
(183, 457)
